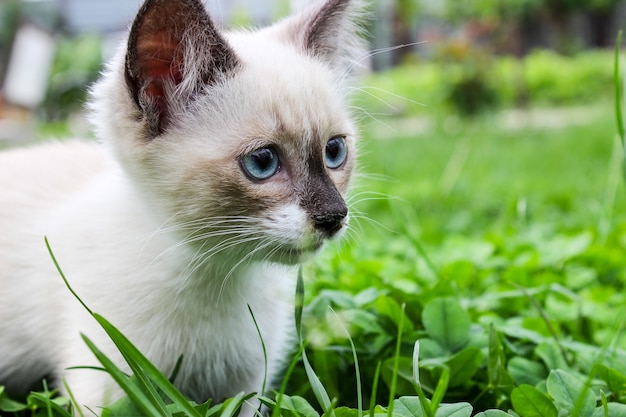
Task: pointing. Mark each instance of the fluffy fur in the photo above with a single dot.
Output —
(159, 229)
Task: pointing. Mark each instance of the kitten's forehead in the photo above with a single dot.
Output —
(296, 91)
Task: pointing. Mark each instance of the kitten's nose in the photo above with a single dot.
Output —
(329, 223)
(325, 205)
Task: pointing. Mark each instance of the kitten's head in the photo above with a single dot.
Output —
(243, 140)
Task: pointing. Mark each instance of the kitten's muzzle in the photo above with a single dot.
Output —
(326, 207)
(330, 223)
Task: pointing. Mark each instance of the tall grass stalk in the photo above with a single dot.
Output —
(617, 81)
(396, 362)
(375, 390)
(316, 385)
(428, 409)
(77, 408)
(283, 387)
(357, 369)
(258, 330)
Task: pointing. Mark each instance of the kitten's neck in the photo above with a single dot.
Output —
(254, 284)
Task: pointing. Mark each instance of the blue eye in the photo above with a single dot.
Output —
(336, 152)
(261, 164)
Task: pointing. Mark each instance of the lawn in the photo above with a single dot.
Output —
(500, 248)
(515, 237)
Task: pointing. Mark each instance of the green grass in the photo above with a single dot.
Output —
(484, 179)
(503, 252)
(524, 231)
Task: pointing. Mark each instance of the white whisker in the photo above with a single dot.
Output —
(377, 120)
(385, 102)
(359, 61)
(201, 257)
(245, 258)
(379, 51)
(371, 177)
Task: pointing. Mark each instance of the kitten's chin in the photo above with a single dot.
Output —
(294, 255)
(300, 252)
(307, 251)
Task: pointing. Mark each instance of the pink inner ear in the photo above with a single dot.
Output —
(160, 61)
(163, 31)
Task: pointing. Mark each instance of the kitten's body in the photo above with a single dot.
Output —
(164, 230)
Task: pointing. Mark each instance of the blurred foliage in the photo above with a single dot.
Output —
(553, 79)
(15, 12)
(517, 26)
(9, 17)
(459, 11)
(467, 70)
(579, 5)
(77, 64)
(468, 81)
(408, 10)
(497, 9)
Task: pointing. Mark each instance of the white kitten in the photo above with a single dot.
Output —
(226, 157)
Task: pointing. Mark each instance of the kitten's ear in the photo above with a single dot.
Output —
(332, 31)
(174, 50)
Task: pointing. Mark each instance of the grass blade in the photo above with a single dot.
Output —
(177, 366)
(52, 408)
(233, 404)
(357, 370)
(396, 363)
(146, 368)
(605, 404)
(316, 385)
(132, 359)
(130, 388)
(283, 386)
(375, 389)
(77, 408)
(60, 271)
(426, 407)
(440, 390)
(47, 399)
(617, 81)
(416, 362)
(299, 304)
(258, 330)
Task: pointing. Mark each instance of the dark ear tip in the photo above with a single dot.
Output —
(334, 31)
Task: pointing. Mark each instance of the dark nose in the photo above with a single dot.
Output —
(330, 223)
(323, 202)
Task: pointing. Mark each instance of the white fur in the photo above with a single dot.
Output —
(41, 323)
(118, 218)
